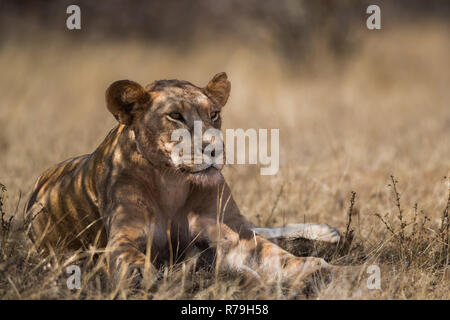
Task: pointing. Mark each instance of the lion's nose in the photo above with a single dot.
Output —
(206, 144)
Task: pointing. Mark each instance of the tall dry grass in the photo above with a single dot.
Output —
(344, 127)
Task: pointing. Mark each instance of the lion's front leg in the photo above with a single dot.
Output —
(272, 262)
(127, 243)
(249, 252)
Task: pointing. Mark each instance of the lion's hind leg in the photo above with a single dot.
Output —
(249, 253)
(309, 239)
(310, 231)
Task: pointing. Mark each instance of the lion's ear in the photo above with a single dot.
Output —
(218, 89)
(126, 99)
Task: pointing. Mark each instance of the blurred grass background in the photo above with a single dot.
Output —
(353, 105)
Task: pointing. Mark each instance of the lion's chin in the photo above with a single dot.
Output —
(208, 177)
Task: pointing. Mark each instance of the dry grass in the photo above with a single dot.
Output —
(343, 127)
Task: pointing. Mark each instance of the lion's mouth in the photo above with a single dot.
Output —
(204, 174)
(203, 170)
(208, 175)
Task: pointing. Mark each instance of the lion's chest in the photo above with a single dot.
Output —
(171, 240)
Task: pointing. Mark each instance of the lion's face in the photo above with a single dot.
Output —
(165, 109)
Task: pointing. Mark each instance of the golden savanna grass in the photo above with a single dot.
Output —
(344, 127)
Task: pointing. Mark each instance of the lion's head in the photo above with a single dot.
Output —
(163, 109)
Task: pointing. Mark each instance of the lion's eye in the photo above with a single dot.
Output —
(215, 115)
(176, 116)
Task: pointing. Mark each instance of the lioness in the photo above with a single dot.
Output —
(132, 198)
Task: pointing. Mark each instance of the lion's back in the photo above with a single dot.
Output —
(62, 205)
